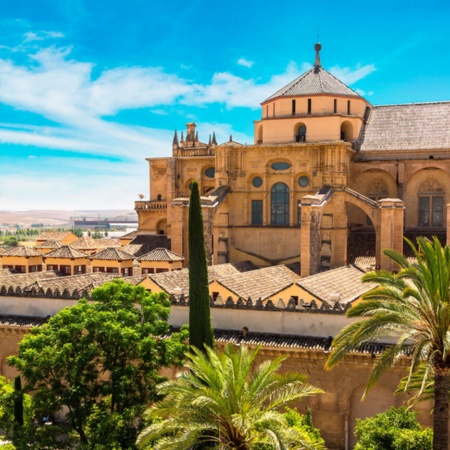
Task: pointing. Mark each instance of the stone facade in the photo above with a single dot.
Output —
(323, 164)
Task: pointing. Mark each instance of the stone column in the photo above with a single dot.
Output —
(391, 231)
(310, 235)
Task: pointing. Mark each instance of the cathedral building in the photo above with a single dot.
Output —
(328, 175)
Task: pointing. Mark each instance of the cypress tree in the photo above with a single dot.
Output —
(200, 331)
(18, 402)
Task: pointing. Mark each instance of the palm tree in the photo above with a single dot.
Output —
(413, 307)
(224, 401)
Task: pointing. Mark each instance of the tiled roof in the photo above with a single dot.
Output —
(85, 243)
(112, 254)
(259, 284)
(414, 126)
(108, 242)
(171, 281)
(51, 243)
(21, 321)
(341, 285)
(314, 82)
(21, 250)
(58, 235)
(23, 280)
(244, 266)
(3, 249)
(6, 272)
(130, 235)
(161, 254)
(149, 242)
(81, 283)
(66, 251)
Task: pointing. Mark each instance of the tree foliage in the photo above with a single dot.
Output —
(100, 360)
(413, 308)
(395, 429)
(225, 401)
(200, 331)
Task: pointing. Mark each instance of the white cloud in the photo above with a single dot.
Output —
(31, 36)
(351, 76)
(245, 62)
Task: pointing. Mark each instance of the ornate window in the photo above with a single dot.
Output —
(257, 182)
(280, 165)
(279, 204)
(257, 212)
(431, 205)
(303, 181)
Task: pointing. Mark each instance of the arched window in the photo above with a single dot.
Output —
(300, 132)
(279, 204)
(431, 204)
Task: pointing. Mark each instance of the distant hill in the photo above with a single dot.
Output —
(54, 218)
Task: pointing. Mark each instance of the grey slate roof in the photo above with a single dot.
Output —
(161, 254)
(66, 251)
(314, 82)
(414, 126)
(21, 250)
(259, 284)
(112, 254)
(343, 284)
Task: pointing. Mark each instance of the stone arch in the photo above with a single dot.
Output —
(161, 227)
(377, 400)
(300, 132)
(347, 131)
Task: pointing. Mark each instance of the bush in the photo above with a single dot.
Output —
(395, 429)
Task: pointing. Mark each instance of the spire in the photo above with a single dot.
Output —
(214, 141)
(175, 139)
(231, 138)
(317, 64)
(196, 136)
(182, 138)
(209, 142)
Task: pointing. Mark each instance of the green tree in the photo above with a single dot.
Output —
(77, 232)
(412, 307)
(11, 240)
(223, 400)
(100, 361)
(200, 331)
(395, 429)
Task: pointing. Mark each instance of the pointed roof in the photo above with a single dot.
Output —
(112, 254)
(85, 243)
(161, 254)
(315, 81)
(51, 243)
(21, 250)
(66, 251)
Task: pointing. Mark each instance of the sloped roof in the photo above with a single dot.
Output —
(315, 81)
(21, 250)
(51, 243)
(161, 254)
(66, 251)
(179, 279)
(342, 284)
(25, 279)
(413, 126)
(112, 254)
(259, 284)
(108, 242)
(85, 243)
(147, 243)
(20, 321)
(58, 235)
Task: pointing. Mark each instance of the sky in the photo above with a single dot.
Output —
(89, 89)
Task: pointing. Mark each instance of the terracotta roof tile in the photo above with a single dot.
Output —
(314, 82)
(23, 280)
(21, 321)
(51, 243)
(161, 254)
(259, 284)
(58, 235)
(108, 242)
(414, 126)
(112, 254)
(66, 251)
(342, 285)
(85, 243)
(22, 250)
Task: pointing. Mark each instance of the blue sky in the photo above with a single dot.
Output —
(89, 89)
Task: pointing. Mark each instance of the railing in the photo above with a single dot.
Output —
(153, 206)
(189, 152)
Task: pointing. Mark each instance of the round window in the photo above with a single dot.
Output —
(210, 172)
(280, 165)
(257, 182)
(303, 181)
